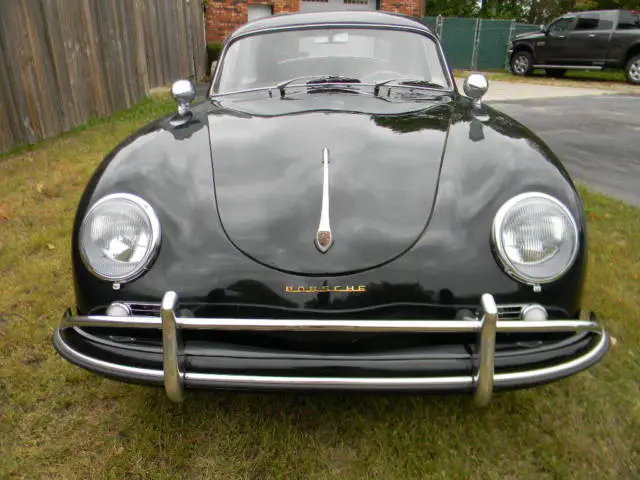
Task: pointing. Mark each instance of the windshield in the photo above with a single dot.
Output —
(368, 54)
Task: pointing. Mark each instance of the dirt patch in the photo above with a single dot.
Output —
(34, 360)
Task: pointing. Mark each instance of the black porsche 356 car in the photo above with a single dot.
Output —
(335, 215)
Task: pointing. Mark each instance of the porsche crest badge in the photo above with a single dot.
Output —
(323, 240)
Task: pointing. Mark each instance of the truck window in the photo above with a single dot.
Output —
(593, 21)
(628, 20)
(561, 25)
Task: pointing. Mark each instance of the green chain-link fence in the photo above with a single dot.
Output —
(475, 43)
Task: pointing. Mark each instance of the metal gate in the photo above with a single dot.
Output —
(476, 43)
(326, 5)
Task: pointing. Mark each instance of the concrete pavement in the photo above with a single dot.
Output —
(499, 91)
(597, 137)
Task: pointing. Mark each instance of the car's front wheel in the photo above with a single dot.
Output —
(633, 70)
(555, 72)
(522, 63)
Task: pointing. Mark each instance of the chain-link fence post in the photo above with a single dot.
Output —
(507, 60)
(476, 44)
(439, 24)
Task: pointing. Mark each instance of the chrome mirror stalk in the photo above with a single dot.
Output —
(475, 87)
(184, 93)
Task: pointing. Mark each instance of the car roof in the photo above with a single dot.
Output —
(335, 17)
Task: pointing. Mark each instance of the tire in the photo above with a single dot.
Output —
(632, 70)
(522, 63)
(555, 72)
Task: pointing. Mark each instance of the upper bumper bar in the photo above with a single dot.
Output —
(486, 325)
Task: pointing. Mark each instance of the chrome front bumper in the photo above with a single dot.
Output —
(482, 382)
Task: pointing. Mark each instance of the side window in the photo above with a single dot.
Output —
(628, 21)
(561, 25)
(593, 21)
(605, 25)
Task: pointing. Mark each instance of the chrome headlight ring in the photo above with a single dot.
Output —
(119, 237)
(539, 228)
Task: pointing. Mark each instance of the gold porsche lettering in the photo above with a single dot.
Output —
(325, 288)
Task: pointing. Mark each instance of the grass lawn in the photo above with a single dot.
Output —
(58, 421)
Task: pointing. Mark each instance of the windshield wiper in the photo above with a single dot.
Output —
(316, 80)
(408, 82)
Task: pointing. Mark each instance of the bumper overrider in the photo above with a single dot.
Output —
(591, 337)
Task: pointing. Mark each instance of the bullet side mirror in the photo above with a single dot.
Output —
(475, 87)
(183, 92)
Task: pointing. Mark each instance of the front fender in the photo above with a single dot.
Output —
(489, 159)
(170, 167)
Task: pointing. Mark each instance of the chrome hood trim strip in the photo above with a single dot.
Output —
(324, 237)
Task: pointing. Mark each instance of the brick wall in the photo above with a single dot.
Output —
(413, 8)
(283, 6)
(224, 16)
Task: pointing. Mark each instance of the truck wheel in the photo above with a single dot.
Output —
(522, 63)
(555, 72)
(633, 70)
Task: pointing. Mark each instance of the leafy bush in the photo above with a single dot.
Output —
(213, 53)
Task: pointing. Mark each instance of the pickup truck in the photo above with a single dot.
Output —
(591, 40)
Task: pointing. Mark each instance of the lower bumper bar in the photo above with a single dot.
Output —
(481, 382)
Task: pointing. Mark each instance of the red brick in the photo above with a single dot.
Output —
(224, 16)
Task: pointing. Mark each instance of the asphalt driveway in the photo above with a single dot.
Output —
(597, 137)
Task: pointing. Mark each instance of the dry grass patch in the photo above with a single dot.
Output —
(57, 421)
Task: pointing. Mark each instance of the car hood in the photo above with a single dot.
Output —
(382, 181)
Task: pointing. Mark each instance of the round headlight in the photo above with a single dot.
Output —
(536, 238)
(119, 237)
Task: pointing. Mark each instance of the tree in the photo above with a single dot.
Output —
(451, 8)
(532, 11)
(541, 11)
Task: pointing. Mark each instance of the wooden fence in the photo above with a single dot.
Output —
(63, 62)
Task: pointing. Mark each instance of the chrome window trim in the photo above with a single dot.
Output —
(156, 234)
(496, 238)
(382, 26)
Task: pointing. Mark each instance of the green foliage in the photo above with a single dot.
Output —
(510, 9)
(532, 11)
(213, 53)
(451, 8)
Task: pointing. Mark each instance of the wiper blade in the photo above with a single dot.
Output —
(406, 82)
(316, 80)
(333, 79)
